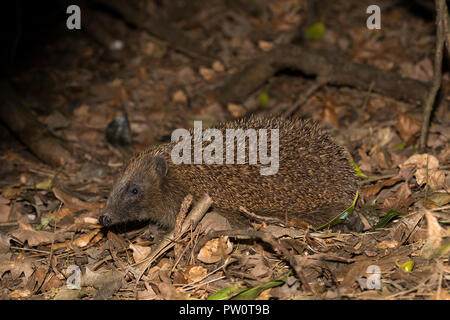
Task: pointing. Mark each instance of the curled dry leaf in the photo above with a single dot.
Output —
(4, 243)
(407, 126)
(215, 250)
(140, 252)
(85, 239)
(434, 238)
(16, 267)
(236, 110)
(387, 244)
(74, 204)
(421, 161)
(400, 201)
(4, 209)
(36, 238)
(20, 293)
(373, 190)
(207, 73)
(433, 177)
(194, 273)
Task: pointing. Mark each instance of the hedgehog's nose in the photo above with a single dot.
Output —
(105, 220)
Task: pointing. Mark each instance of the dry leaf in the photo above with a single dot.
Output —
(218, 66)
(4, 209)
(215, 250)
(36, 238)
(195, 273)
(75, 204)
(4, 243)
(148, 294)
(373, 190)
(21, 293)
(213, 221)
(387, 244)
(265, 45)
(207, 73)
(407, 126)
(140, 252)
(180, 96)
(434, 238)
(236, 110)
(420, 161)
(400, 201)
(435, 178)
(16, 267)
(85, 239)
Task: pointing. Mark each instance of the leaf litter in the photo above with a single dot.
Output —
(48, 216)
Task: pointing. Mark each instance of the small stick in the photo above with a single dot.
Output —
(196, 214)
(267, 238)
(437, 76)
(318, 83)
(260, 218)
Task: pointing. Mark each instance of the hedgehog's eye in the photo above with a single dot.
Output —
(134, 191)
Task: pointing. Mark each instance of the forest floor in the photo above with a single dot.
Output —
(76, 86)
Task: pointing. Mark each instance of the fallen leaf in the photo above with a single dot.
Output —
(400, 201)
(74, 204)
(407, 126)
(218, 66)
(140, 252)
(148, 294)
(21, 293)
(373, 190)
(421, 161)
(4, 209)
(194, 273)
(4, 243)
(36, 238)
(434, 177)
(207, 73)
(16, 267)
(215, 250)
(236, 110)
(85, 239)
(434, 239)
(265, 45)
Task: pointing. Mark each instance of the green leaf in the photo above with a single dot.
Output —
(359, 173)
(408, 266)
(45, 221)
(385, 220)
(238, 293)
(316, 31)
(400, 146)
(263, 99)
(225, 293)
(45, 184)
(342, 216)
(253, 293)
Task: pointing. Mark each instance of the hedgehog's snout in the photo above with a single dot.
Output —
(105, 220)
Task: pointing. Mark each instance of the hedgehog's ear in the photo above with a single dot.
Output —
(161, 166)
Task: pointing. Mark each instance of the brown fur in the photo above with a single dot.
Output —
(314, 182)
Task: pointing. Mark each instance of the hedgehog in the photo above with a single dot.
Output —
(312, 182)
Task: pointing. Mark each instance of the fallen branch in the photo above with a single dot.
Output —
(267, 238)
(30, 131)
(437, 74)
(191, 221)
(336, 69)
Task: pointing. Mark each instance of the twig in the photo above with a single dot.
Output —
(267, 238)
(437, 75)
(191, 220)
(260, 218)
(318, 83)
